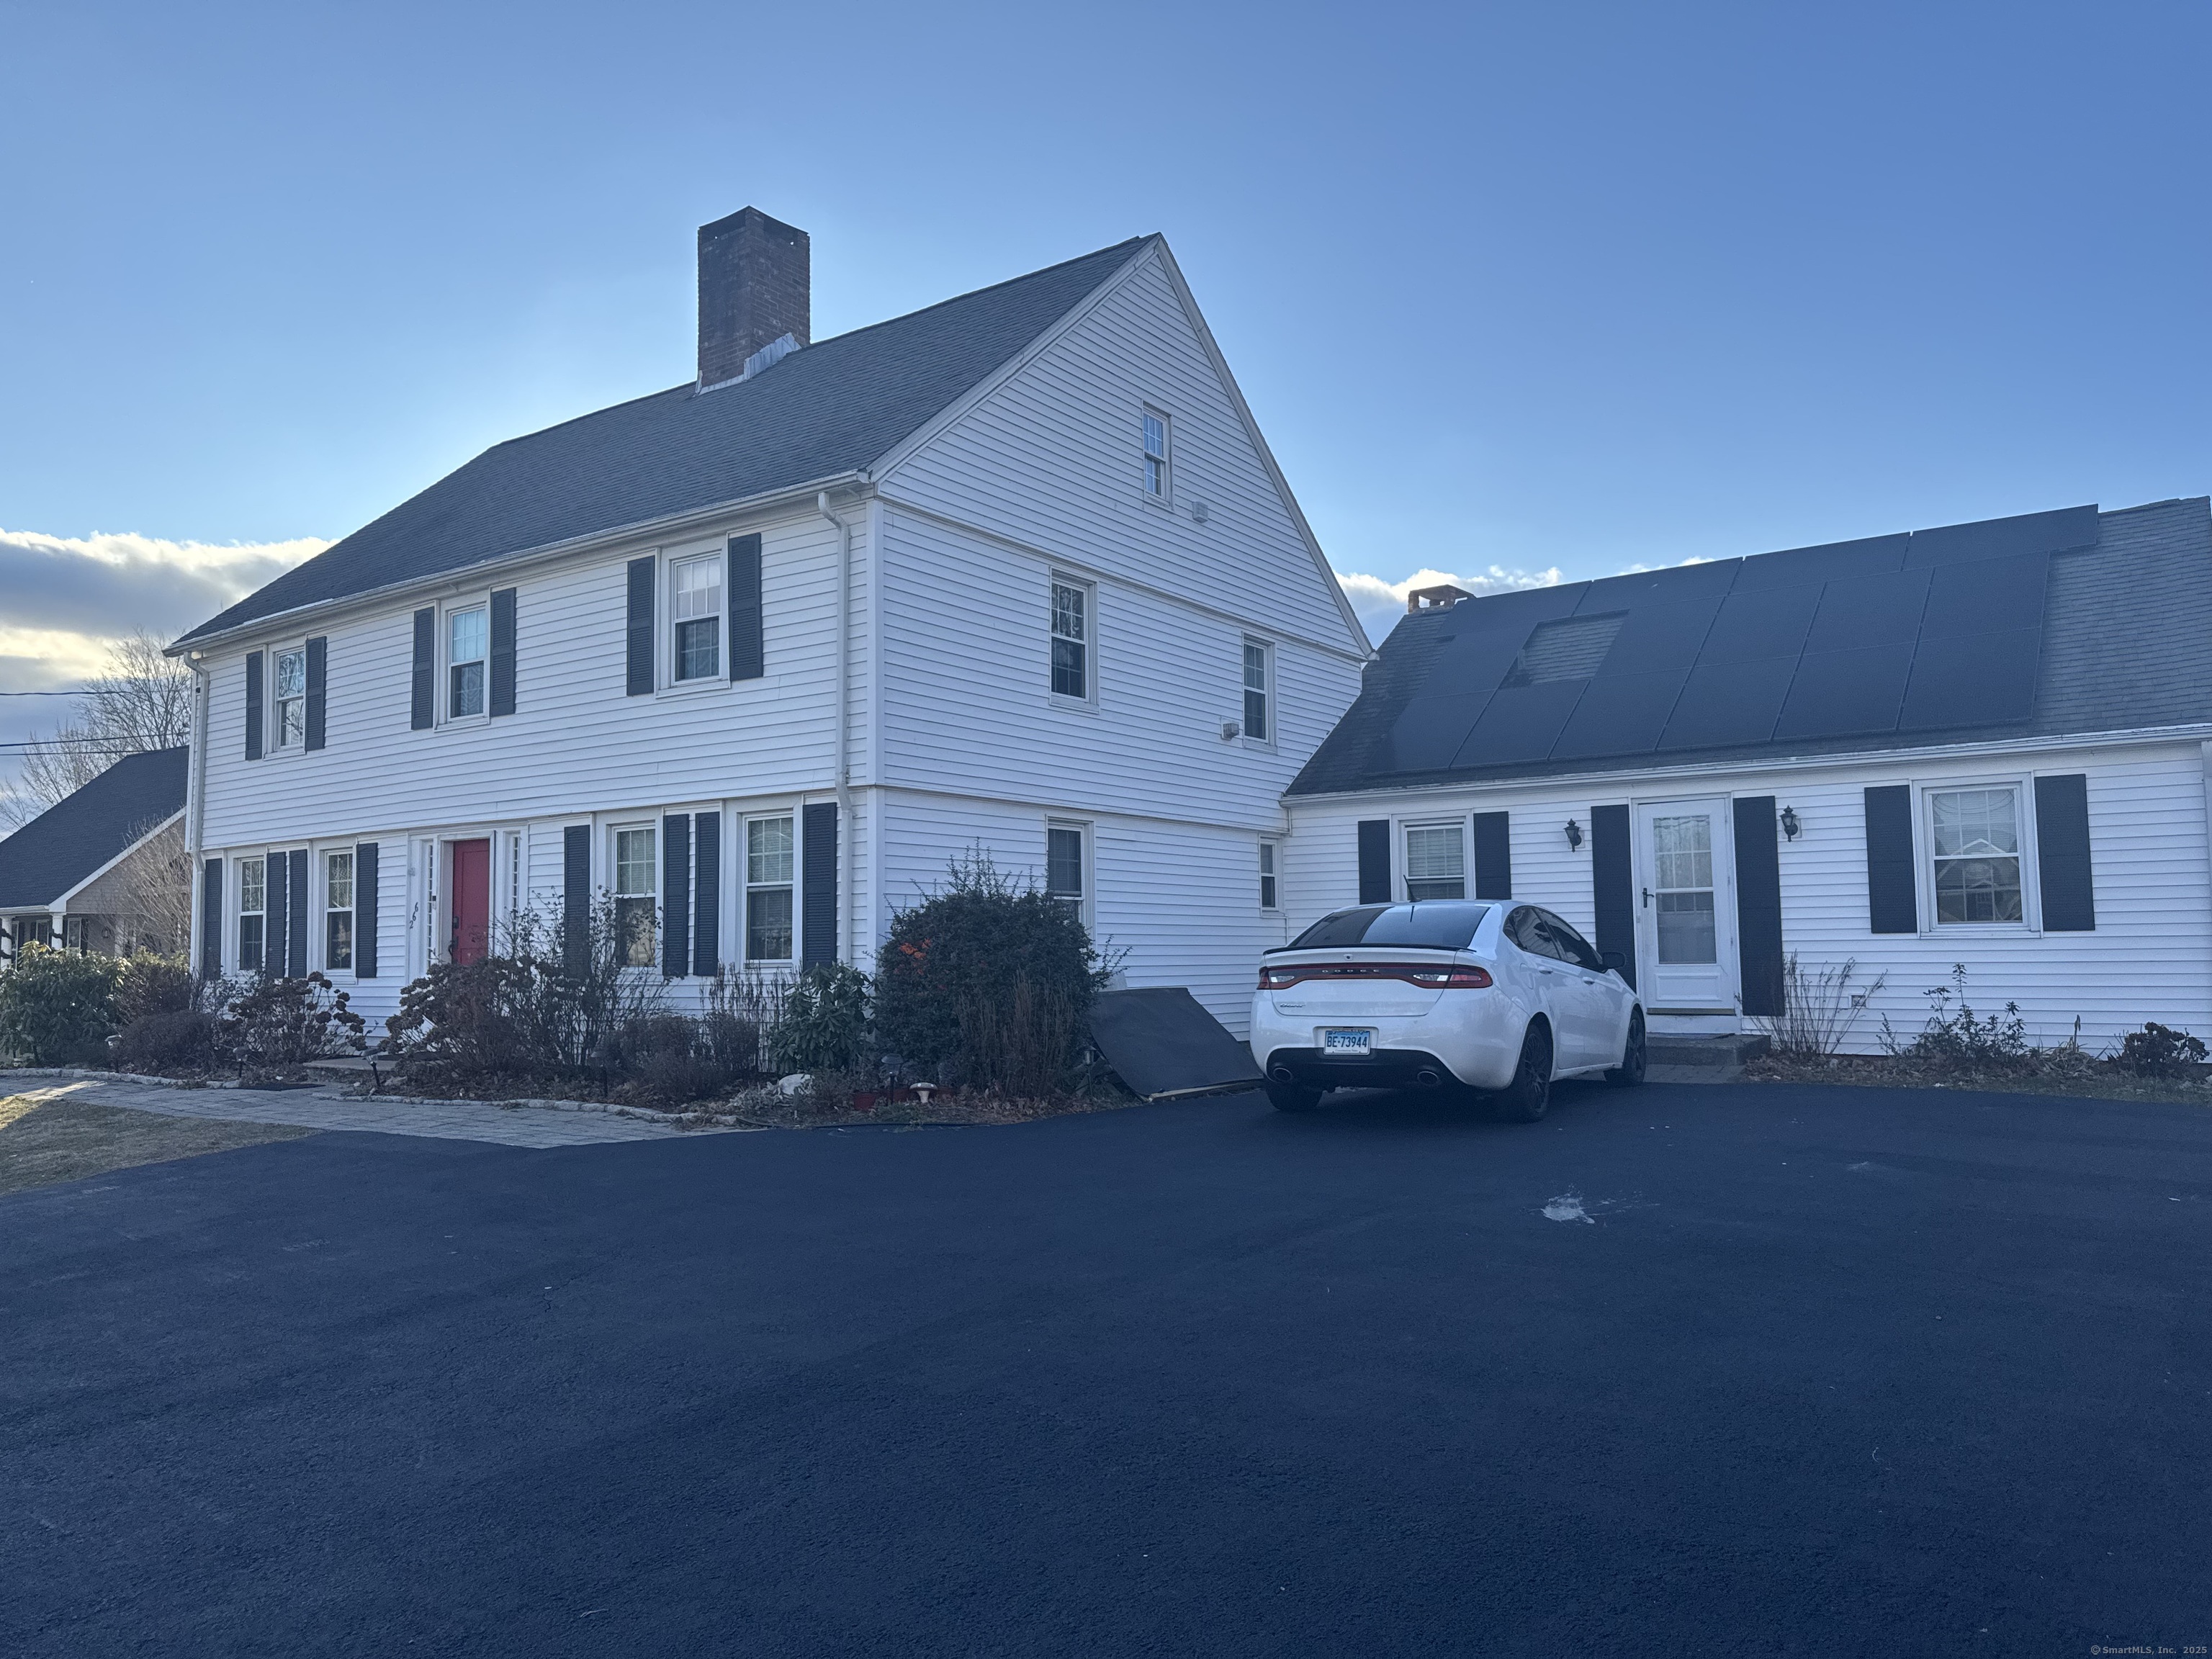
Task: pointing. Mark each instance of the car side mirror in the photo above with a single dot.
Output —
(1616, 960)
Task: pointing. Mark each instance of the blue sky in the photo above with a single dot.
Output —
(1515, 289)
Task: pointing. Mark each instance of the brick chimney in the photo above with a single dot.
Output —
(753, 290)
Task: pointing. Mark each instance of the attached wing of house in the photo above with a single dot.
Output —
(60, 873)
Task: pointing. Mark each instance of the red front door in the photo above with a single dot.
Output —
(470, 936)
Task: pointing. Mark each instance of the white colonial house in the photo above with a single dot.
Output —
(1989, 744)
(761, 653)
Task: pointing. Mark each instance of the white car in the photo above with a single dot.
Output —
(1445, 992)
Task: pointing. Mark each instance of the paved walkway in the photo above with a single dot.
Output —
(321, 1108)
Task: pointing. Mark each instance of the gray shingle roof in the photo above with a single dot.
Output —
(75, 836)
(836, 407)
(2053, 623)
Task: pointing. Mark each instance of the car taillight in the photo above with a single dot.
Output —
(1466, 979)
(1437, 976)
(1274, 979)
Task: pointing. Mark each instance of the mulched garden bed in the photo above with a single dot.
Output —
(2075, 1075)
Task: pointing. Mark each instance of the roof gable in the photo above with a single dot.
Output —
(833, 407)
(80, 835)
(2051, 622)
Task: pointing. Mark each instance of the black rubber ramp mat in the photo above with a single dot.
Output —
(1163, 1045)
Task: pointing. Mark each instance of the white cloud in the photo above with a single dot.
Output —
(1380, 603)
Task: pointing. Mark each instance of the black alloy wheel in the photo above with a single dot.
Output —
(1630, 1072)
(1528, 1097)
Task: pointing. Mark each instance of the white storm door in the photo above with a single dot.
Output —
(1685, 944)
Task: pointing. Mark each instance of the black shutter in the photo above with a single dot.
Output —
(211, 919)
(423, 684)
(318, 665)
(502, 651)
(1892, 891)
(707, 895)
(637, 661)
(364, 909)
(1759, 903)
(1493, 856)
(675, 894)
(576, 900)
(1612, 885)
(254, 717)
(1375, 861)
(276, 927)
(748, 652)
(818, 871)
(2062, 853)
(295, 942)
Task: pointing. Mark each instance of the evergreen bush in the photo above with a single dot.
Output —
(56, 1008)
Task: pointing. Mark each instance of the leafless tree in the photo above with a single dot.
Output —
(156, 907)
(141, 700)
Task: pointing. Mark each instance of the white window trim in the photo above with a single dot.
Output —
(1923, 859)
(1402, 876)
(442, 692)
(1087, 908)
(272, 717)
(665, 682)
(1165, 499)
(1274, 708)
(1259, 872)
(742, 864)
(1088, 703)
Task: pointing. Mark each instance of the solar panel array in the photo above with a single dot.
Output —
(1935, 630)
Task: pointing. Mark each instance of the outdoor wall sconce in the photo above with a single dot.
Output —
(1790, 824)
(1574, 836)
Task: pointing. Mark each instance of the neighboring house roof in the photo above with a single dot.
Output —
(833, 407)
(2051, 623)
(80, 835)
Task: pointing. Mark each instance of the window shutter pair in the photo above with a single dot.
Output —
(742, 598)
(318, 699)
(422, 683)
(2062, 857)
(284, 941)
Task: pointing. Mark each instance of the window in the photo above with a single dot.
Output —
(695, 588)
(1436, 861)
(1268, 875)
(1974, 837)
(1071, 640)
(1259, 690)
(337, 910)
(468, 637)
(252, 908)
(34, 930)
(767, 890)
(291, 698)
(1682, 878)
(1155, 454)
(1063, 866)
(1570, 945)
(637, 887)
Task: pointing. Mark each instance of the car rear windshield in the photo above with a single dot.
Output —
(1438, 924)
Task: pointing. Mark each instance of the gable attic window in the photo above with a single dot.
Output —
(1155, 454)
(291, 698)
(1569, 648)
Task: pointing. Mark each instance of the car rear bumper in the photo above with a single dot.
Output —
(1385, 1068)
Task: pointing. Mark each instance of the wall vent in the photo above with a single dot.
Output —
(1569, 648)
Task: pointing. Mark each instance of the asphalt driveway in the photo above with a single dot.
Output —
(1823, 1371)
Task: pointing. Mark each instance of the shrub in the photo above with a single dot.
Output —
(168, 1041)
(56, 1008)
(823, 1026)
(2160, 1051)
(1818, 1010)
(1957, 1037)
(151, 984)
(289, 1022)
(986, 981)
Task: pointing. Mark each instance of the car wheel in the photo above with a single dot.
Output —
(1290, 1097)
(1528, 1097)
(1630, 1072)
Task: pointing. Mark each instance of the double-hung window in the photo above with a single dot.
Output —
(695, 590)
(253, 913)
(1268, 854)
(1259, 691)
(1155, 454)
(1071, 640)
(1063, 867)
(1974, 845)
(291, 710)
(468, 642)
(769, 871)
(337, 910)
(1436, 861)
(637, 893)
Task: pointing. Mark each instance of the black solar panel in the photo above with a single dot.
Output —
(1728, 702)
(1801, 567)
(1987, 596)
(1429, 730)
(1662, 636)
(1992, 539)
(1979, 679)
(1520, 724)
(1838, 693)
(1620, 714)
(1677, 584)
(1769, 622)
(1872, 611)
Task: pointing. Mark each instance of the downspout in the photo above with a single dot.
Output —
(844, 763)
(196, 800)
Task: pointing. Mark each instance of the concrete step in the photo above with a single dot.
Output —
(1700, 1059)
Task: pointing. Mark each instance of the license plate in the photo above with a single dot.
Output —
(1346, 1042)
